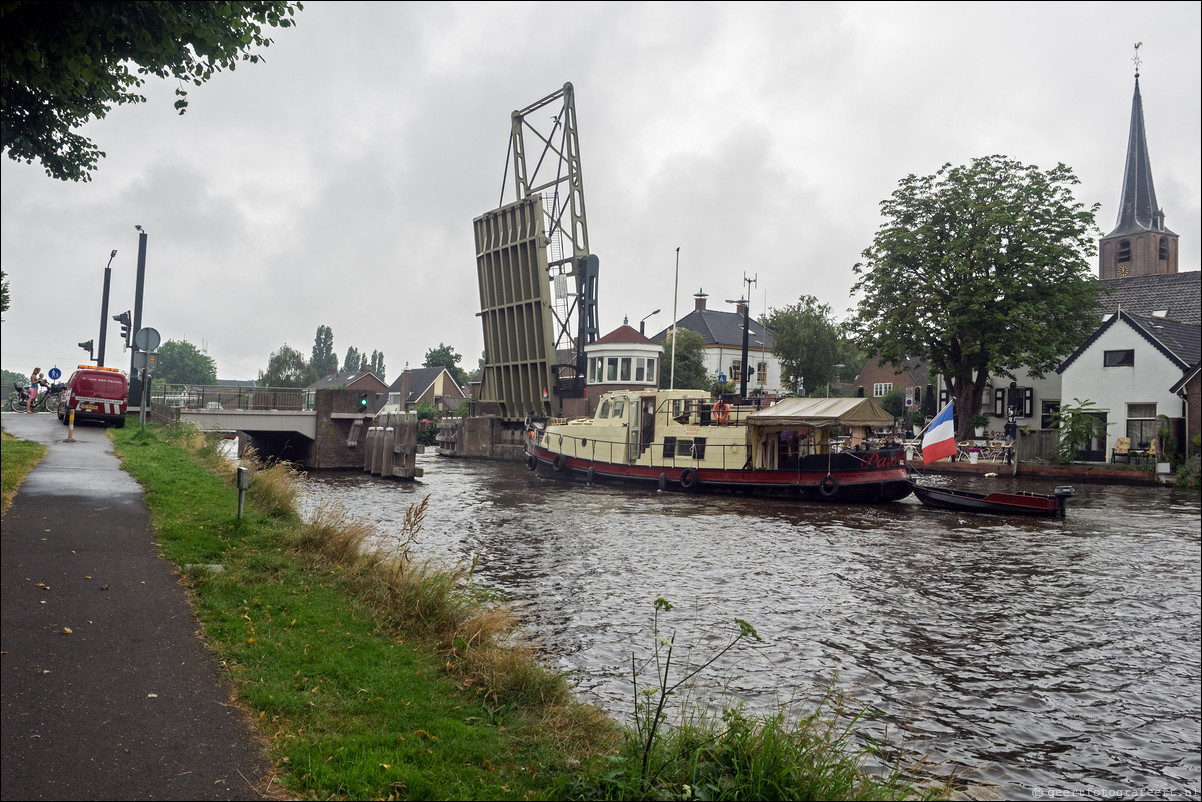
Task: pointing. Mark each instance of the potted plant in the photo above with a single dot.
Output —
(978, 422)
(974, 454)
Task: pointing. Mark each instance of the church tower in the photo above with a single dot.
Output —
(1139, 245)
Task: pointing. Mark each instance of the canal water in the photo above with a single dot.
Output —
(1045, 657)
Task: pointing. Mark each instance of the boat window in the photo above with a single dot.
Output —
(619, 409)
(684, 447)
(699, 448)
(669, 447)
(604, 411)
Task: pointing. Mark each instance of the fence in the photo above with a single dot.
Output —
(217, 397)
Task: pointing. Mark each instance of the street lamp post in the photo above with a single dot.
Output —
(642, 327)
(675, 292)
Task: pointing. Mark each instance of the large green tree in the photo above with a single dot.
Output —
(181, 362)
(981, 269)
(287, 367)
(444, 356)
(806, 341)
(66, 63)
(354, 360)
(690, 362)
(323, 359)
(377, 365)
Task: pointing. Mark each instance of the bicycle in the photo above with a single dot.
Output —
(48, 399)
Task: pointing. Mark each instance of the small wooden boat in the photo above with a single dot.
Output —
(1020, 503)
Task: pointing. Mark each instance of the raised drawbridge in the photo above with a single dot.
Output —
(538, 278)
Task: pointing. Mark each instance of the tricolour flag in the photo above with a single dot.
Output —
(940, 439)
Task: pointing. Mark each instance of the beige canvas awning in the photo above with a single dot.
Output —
(820, 412)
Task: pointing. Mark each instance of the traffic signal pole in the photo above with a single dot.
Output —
(135, 389)
(104, 308)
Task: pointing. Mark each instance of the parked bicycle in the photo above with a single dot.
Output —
(48, 399)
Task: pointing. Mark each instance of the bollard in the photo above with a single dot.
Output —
(71, 426)
(386, 452)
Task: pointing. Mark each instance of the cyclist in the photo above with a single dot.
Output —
(36, 378)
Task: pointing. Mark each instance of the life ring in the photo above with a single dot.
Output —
(829, 486)
(588, 477)
(559, 462)
(722, 413)
(688, 479)
(531, 461)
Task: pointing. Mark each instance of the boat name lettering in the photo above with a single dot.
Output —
(882, 461)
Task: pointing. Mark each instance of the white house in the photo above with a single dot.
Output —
(723, 354)
(1128, 367)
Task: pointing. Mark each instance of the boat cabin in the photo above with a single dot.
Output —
(688, 428)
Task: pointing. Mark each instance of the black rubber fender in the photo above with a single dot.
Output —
(663, 481)
(688, 479)
(828, 486)
(588, 477)
(560, 462)
(531, 461)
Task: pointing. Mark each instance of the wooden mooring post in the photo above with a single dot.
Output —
(391, 447)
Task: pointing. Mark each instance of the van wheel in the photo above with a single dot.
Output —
(120, 423)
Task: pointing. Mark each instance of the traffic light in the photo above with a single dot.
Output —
(87, 346)
(123, 319)
(362, 402)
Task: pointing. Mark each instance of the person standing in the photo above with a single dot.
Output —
(35, 379)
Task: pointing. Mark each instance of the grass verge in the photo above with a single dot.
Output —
(19, 457)
(374, 676)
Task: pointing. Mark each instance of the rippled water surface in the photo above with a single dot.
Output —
(1040, 655)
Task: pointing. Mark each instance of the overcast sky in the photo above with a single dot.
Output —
(336, 183)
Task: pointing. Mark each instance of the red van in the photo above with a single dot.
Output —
(95, 393)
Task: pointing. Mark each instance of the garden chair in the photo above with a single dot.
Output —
(1122, 450)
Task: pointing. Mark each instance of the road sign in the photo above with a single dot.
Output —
(54, 373)
(147, 339)
(721, 378)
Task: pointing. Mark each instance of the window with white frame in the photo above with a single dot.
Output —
(881, 388)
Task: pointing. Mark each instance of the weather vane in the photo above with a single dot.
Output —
(1136, 58)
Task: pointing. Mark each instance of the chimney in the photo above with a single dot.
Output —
(406, 388)
(741, 308)
(699, 301)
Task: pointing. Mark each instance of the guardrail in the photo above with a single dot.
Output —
(219, 397)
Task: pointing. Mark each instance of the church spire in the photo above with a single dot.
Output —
(1138, 210)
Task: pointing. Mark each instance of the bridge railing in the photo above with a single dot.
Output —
(226, 397)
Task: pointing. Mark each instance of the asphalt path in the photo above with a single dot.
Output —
(108, 690)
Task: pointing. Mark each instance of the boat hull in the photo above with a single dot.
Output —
(886, 480)
(1026, 504)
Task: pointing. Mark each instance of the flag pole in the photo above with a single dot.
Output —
(949, 403)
